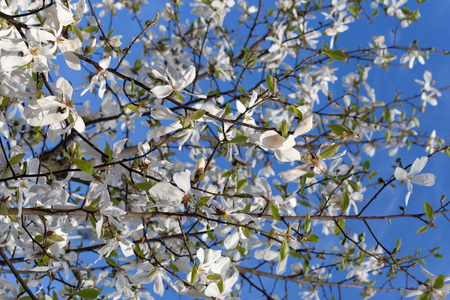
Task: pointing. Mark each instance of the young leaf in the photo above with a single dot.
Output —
(298, 113)
(307, 225)
(428, 210)
(439, 282)
(284, 250)
(214, 276)
(241, 184)
(145, 186)
(338, 129)
(269, 82)
(240, 139)
(422, 229)
(88, 293)
(84, 166)
(345, 202)
(194, 273)
(16, 159)
(275, 212)
(198, 114)
(336, 55)
(284, 129)
(55, 237)
(329, 151)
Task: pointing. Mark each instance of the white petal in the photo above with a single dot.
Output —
(430, 276)
(118, 147)
(410, 293)
(183, 180)
(304, 126)
(271, 139)
(4, 126)
(212, 290)
(53, 118)
(158, 286)
(127, 247)
(291, 175)
(160, 112)
(162, 91)
(240, 107)
(281, 267)
(188, 77)
(400, 174)
(104, 63)
(232, 240)
(425, 179)
(164, 191)
(418, 165)
(288, 155)
(201, 255)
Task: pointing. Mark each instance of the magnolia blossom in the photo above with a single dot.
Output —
(284, 147)
(177, 81)
(100, 78)
(413, 176)
(437, 294)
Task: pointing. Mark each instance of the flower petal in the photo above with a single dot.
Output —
(418, 165)
(425, 179)
(162, 91)
(400, 174)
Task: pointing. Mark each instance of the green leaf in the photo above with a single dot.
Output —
(4, 210)
(387, 116)
(214, 276)
(133, 108)
(366, 165)
(227, 109)
(339, 129)
(88, 293)
(313, 238)
(13, 218)
(329, 151)
(194, 273)
(78, 33)
(90, 29)
(336, 55)
(55, 237)
(275, 212)
(439, 282)
(111, 261)
(16, 159)
(345, 202)
(284, 128)
(269, 82)
(425, 296)
(84, 166)
(198, 114)
(246, 232)
(284, 250)
(240, 139)
(422, 229)
(307, 225)
(241, 184)
(297, 112)
(428, 210)
(145, 186)
(354, 185)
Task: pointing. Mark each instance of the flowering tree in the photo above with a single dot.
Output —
(214, 149)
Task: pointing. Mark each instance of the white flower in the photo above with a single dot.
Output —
(437, 294)
(100, 78)
(176, 82)
(426, 179)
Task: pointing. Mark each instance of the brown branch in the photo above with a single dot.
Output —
(244, 270)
